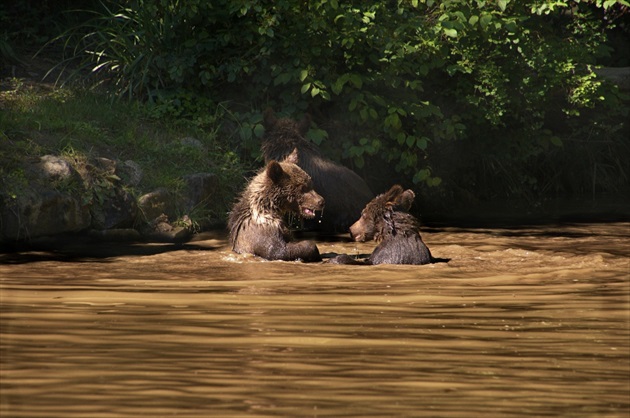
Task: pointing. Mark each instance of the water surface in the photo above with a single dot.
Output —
(521, 322)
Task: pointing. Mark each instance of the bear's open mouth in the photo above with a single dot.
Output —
(308, 212)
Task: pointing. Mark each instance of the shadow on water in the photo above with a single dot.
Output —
(82, 248)
(77, 249)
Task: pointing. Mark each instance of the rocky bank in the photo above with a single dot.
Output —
(64, 195)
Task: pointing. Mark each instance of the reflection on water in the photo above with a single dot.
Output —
(520, 322)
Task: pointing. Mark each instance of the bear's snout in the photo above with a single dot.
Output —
(311, 203)
(357, 231)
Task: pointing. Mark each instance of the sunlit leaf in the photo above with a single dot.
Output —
(451, 33)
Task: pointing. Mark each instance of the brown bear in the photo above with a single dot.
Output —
(383, 220)
(344, 191)
(256, 222)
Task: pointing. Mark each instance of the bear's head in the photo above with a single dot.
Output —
(291, 189)
(282, 135)
(373, 223)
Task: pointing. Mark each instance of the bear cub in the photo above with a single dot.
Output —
(256, 223)
(344, 191)
(383, 219)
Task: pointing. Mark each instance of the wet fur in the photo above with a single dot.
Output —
(383, 219)
(256, 222)
(401, 243)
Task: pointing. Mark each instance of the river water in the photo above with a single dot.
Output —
(521, 322)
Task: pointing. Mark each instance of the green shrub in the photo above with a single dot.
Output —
(478, 95)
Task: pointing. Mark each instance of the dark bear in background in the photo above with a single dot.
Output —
(343, 190)
(383, 220)
(256, 222)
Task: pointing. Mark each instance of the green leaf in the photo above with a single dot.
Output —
(305, 88)
(502, 4)
(259, 130)
(355, 151)
(451, 33)
(317, 135)
(336, 87)
(356, 80)
(393, 120)
(512, 27)
(282, 78)
(485, 19)
(421, 176)
(246, 131)
(434, 181)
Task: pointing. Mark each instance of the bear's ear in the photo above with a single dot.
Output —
(393, 194)
(274, 171)
(269, 118)
(305, 124)
(405, 200)
(293, 157)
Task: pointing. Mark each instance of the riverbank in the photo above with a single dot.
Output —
(75, 162)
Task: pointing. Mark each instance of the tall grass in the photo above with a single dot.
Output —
(120, 47)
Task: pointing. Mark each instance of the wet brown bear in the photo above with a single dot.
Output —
(344, 191)
(383, 220)
(256, 222)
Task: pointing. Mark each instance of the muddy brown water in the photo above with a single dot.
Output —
(521, 322)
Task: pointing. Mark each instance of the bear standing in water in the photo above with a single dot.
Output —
(344, 191)
(256, 222)
(398, 232)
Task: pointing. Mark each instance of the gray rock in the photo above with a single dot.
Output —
(200, 190)
(192, 142)
(55, 168)
(156, 203)
(160, 230)
(42, 213)
(130, 172)
(117, 209)
(105, 165)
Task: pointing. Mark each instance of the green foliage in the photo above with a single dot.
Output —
(450, 90)
(79, 126)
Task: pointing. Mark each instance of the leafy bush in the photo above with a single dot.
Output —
(489, 96)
